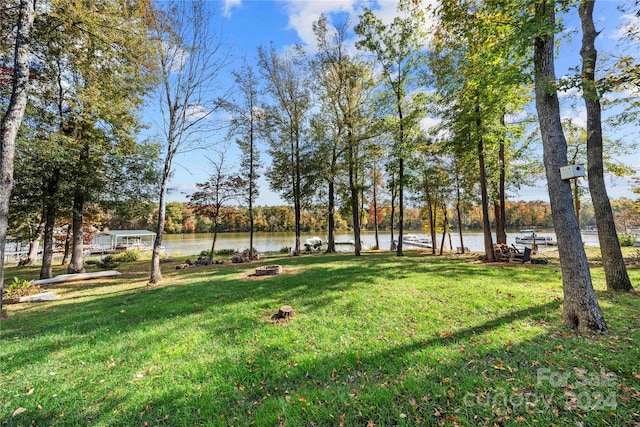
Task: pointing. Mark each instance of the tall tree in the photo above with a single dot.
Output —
(345, 85)
(397, 49)
(581, 309)
(287, 119)
(245, 123)
(479, 75)
(189, 59)
(612, 260)
(12, 118)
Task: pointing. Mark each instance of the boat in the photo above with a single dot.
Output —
(540, 240)
(414, 240)
(313, 243)
(591, 229)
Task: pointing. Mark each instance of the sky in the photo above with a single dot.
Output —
(247, 24)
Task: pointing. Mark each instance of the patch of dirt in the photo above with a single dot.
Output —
(252, 274)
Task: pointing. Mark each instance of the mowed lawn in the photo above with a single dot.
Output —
(376, 340)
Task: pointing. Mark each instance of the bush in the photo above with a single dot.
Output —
(284, 250)
(17, 288)
(107, 263)
(219, 252)
(626, 239)
(128, 256)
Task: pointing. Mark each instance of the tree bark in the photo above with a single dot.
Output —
(50, 185)
(11, 120)
(501, 215)
(393, 246)
(77, 257)
(67, 245)
(355, 205)
(34, 245)
(489, 252)
(581, 309)
(156, 273)
(614, 268)
(331, 226)
(375, 206)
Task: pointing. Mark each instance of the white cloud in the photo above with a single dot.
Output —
(229, 5)
(578, 115)
(196, 112)
(302, 14)
(628, 27)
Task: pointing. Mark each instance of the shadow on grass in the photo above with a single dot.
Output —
(270, 378)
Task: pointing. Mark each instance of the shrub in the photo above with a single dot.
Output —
(219, 252)
(128, 256)
(107, 263)
(284, 250)
(626, 239)
(17, 288)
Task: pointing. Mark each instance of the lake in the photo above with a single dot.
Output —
(193, 244)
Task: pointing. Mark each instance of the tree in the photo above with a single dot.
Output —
(479, 76)
(12, 118)
(612, 260)
(189, 60)
(345, 85)
(581, 309)
(245, 122)
(286, 121)
(396, 48)
(213, 195)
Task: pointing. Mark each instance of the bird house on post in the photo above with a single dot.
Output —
(572, 171)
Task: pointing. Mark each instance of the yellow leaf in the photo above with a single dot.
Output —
(18, 411)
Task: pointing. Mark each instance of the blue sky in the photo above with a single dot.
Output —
(246, 25)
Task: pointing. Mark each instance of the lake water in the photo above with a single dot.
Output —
(193, 244)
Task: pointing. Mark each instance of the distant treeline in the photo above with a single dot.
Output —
(180, 218)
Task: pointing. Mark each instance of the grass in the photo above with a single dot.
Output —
(377, 340)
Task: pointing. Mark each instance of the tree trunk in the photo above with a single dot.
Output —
(156, 273)
(400, 206)
(47, 250)
(34, 245)
(489, 252)
(354, 197)
(215, 238)
(393, 214)
(581, 310)
(576, 200)
(11, 120)
(331, 226)
(501, 214)
(77, 257)
(67, 245)
(445, 227)
(50, 212)
(614, 268)
(375, 207)
(459, 208)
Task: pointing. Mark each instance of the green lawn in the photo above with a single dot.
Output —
(377, 340)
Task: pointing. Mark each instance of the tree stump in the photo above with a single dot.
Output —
(284, 313)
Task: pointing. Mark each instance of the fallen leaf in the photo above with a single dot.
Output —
(18, 411)
(30, 392)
